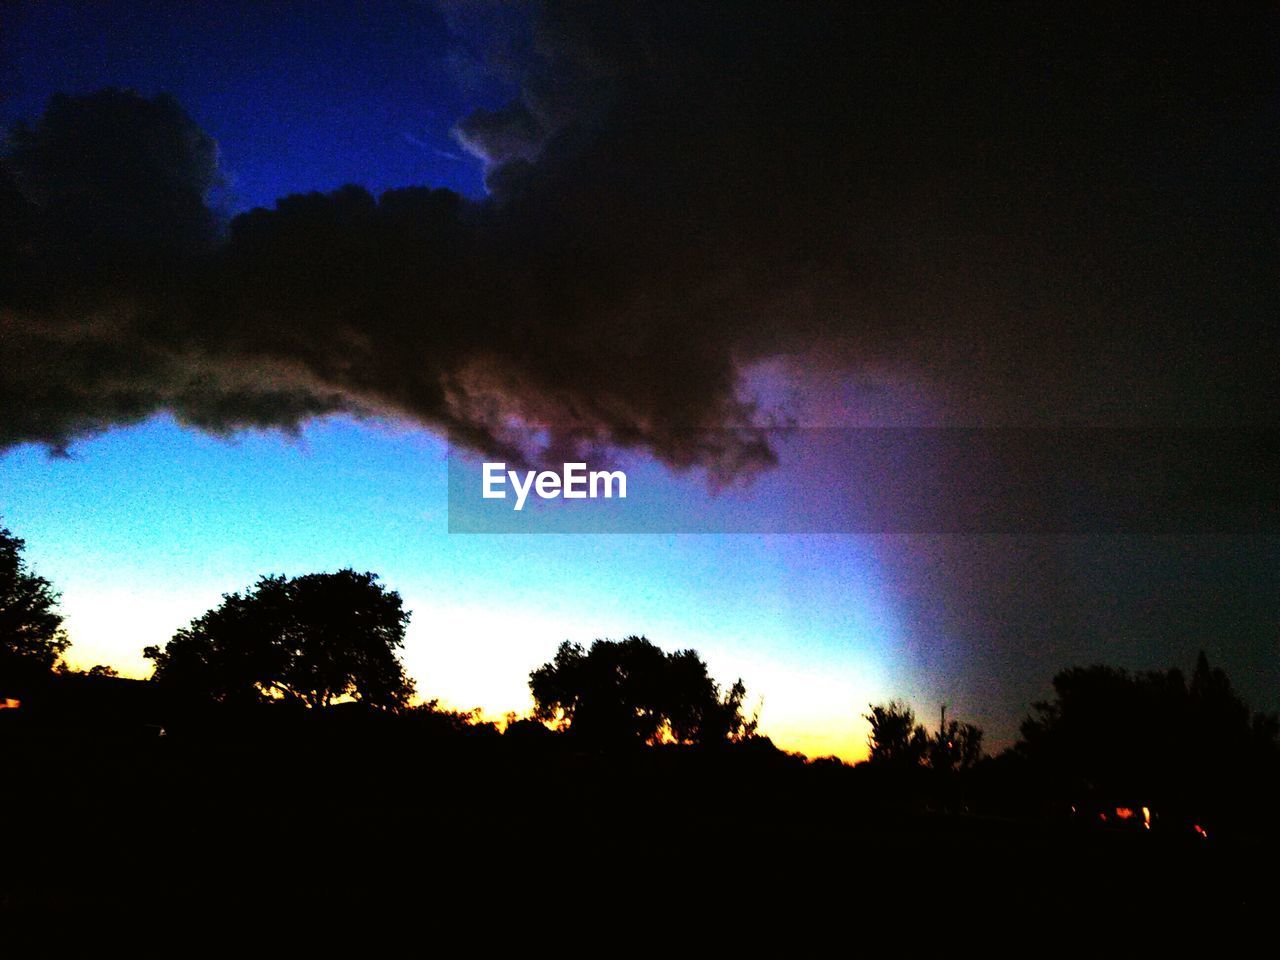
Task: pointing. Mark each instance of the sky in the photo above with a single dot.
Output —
(639, 228)
(297, 103)
(144, 528)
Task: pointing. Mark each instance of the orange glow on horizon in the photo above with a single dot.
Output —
(804, 709)
(839, 739)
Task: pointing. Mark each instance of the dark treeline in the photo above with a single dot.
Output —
(283, 720)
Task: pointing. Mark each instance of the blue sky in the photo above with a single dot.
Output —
(345, 94)
(144, 528)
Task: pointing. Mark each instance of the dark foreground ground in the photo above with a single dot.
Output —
(442, 830)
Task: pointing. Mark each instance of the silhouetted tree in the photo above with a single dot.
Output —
(630, 691)
(309, 639)
(895, 736)
(956, 746)
(1151, 736)
(31, 635)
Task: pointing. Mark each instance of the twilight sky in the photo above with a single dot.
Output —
(640, 226)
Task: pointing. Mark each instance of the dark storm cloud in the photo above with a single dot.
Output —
(130, 297)
(1038, 214)
(107, 313)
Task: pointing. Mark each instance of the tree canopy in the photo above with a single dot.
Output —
(31, 636)
(631, 691)
(897, 739)
(310, 639)
(1149, 734)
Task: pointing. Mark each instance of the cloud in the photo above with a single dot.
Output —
(1036, 215)
(133, 298)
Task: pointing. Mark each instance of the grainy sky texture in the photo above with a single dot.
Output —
(625, 225)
